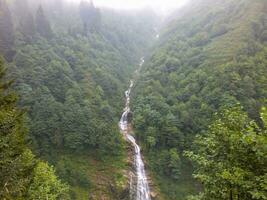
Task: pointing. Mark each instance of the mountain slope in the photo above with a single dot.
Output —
(211, 55)
(22, 175)
(71, 72)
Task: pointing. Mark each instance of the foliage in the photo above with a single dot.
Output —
(7, 38)
(231, 158)
(209, 56)
(46, 185)
(71, 69)
(91, 177)
(26, 23)
(16, 161)
(19, 169)
(91, 16)
(42, 24)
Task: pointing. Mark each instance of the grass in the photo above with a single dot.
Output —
(106, 175)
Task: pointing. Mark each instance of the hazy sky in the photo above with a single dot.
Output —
(164, 6)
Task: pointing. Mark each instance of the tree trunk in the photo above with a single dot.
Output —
(231, 195)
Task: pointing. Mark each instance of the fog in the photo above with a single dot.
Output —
(161, 6)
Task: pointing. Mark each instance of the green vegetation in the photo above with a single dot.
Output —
(199, 103)
(105, 178)
(232, 157)
(211, 56)
(71, 67)
(45, 184)
(22, 176)
(7, 38)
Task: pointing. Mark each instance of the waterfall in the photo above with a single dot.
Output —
(141, 188)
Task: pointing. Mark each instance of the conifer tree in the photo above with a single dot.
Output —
(90, 16)
(6, 32)
(26, 24)
(16, 160)
(42, 24)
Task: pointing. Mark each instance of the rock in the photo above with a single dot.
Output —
(153, 195)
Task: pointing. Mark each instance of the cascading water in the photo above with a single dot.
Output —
(142, 191)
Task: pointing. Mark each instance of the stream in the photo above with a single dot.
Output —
(141, 190)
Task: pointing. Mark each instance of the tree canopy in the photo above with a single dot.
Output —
(7, 37)
(231, 157)
(21, 174)
(208, 57)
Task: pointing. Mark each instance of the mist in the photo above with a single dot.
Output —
(162, 7)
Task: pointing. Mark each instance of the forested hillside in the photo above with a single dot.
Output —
(22, 176)
(211, 56)
(71, 64)
(195, 113)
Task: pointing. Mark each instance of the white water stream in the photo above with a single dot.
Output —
(142, 191)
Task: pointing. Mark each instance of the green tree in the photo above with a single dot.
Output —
(20, 172)
(231, 158)
(42, 24)
(90, 16)
(151, 141)
(200, 64)
(16, 160)
(46, 184)
(175, 164)
(25, 20)
(7, 38)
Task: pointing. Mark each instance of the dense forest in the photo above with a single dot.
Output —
(71, 64)
(211, 58)
(22, 175)
(199, 109)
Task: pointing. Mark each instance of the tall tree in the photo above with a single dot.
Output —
(16, 161)
(42, 24)
(6, 32)
(25, 19)
(90, 16)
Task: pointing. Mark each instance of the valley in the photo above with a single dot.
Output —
(142, 100)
